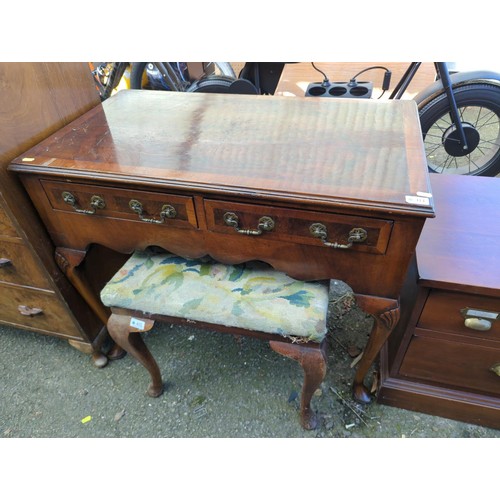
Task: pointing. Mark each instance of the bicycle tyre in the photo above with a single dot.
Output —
(218, 84)
(478, 104)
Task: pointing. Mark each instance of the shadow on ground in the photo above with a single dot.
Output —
(215, 386)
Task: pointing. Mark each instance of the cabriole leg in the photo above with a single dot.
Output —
(129, 338)
(313, 362)
(385, 321)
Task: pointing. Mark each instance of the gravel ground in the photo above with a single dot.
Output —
(216, 387)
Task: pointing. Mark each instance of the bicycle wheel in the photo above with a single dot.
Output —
(479, 109)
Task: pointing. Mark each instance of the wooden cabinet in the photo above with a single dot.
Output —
(442, 356)
(36, 100)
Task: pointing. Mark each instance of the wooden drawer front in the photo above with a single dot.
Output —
(6, 226)
(53, 316)
(18, 266)
(295, 225)
(442, 313)
(452, 363)
(117, 203)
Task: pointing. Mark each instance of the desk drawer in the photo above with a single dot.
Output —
(18, 266)
(297, 225)
(442, 312)
(464, 366)
(6, 226)
(47, 313)
(141, 206)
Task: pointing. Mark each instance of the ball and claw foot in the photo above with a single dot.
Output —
(100, 360)
(155, 391)
(309, 420)
(361, 394)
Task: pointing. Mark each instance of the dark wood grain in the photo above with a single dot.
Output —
(434, 363)
(36, 100)
(460, 249)
(274, 147)
(452, 364)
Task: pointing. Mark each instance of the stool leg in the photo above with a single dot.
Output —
(129, 338)
(313, 362)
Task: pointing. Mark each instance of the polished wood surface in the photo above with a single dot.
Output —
(441, 307)
(348, 166)
(469, 369)
(36, 100)
(434, 362)
(276, 148)
(457, 251)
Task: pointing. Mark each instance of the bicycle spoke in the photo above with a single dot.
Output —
(433, 147)
(491, 119)
(437, 137)
(492, 142)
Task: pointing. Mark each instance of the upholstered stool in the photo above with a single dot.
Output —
(249, 299)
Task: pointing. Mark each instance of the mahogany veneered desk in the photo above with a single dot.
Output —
(319, 189)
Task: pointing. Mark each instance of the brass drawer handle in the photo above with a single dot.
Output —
(481, 325)
(265, 224)
(96, 202)
(496, 369)
(5, 262)
(167, 212)
(356, 235)
(30, 311)
(478, 320)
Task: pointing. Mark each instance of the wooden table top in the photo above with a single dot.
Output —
(363, 153)
(460, 248)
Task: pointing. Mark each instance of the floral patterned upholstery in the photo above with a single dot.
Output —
(251, 296)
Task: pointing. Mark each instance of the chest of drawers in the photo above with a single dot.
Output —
(37, 99)
(444, 356)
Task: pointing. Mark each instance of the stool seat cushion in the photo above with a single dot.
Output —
(251, 296)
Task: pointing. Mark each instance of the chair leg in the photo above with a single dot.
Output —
(129, 338)
(313, 361)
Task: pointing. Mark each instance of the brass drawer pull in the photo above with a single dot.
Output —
(265, 224)
(5, 262)
(478, 320)
(30, 311)
(496, 369)
(167, 212)
(356, 235)
(96, 202)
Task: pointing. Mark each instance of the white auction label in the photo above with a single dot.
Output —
(137, 323)
(417, 200)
